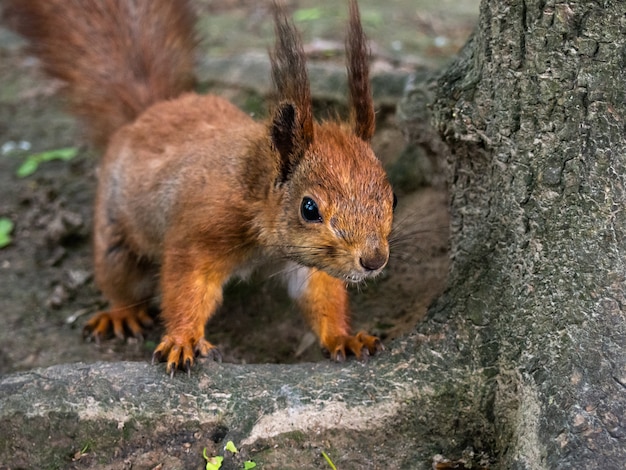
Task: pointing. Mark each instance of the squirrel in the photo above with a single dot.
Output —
(192, 191)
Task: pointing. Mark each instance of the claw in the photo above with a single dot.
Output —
(372, 343)
(340, 355)
(156, 357)
(361, 345)
(171, 367)
(179, 352)
(215, 355)
(365, 354)
(121, 322)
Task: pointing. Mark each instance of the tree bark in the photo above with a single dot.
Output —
(533, 115)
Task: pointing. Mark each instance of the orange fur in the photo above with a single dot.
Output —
(325, 305)
(192, 191)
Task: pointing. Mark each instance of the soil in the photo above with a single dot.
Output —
(47, 289)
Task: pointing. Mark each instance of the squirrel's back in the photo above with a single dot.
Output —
(117, 57)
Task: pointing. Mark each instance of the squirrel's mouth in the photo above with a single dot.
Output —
(345, 271)
(357, 278)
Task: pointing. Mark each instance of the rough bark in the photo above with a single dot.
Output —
(533, 114)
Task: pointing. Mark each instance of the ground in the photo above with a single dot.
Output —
(47, 289)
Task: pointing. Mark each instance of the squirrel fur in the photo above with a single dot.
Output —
(193, 192)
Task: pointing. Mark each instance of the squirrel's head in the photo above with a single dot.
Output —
(337, 203)
(337, 206)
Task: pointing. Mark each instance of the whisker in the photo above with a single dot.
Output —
(290, 269)
(414, 221)
(431, 235)
(284, 271)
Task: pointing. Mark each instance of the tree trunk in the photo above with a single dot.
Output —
(533, 113)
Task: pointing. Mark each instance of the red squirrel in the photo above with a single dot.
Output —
(193, 192)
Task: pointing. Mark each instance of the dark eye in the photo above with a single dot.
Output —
(310, 211)
(395, 201)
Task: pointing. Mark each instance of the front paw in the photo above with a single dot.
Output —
(180, 352)
(361, 345)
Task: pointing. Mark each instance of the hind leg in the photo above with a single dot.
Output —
(128, 282)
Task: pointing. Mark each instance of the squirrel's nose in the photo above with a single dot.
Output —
(374, 261)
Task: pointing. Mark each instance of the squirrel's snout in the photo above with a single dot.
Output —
(374, 261)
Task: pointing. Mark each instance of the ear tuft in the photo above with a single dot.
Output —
(284, 134)
(289, 72)
(357, 51)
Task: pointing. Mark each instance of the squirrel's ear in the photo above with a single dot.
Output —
(288, 138)
(357, 51)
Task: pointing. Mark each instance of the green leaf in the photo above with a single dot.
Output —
(30, 165)
(212, 463)
(307, 14)
(59, 154)
(27, 168)
(6, 227)
(230, 446)
(330, 462)
(248, 465)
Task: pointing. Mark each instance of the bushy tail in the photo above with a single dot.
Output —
(117, 57)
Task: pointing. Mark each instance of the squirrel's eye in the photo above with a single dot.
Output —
(395, 201)
(310, 211)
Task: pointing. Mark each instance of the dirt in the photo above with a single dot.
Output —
(47, 289)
